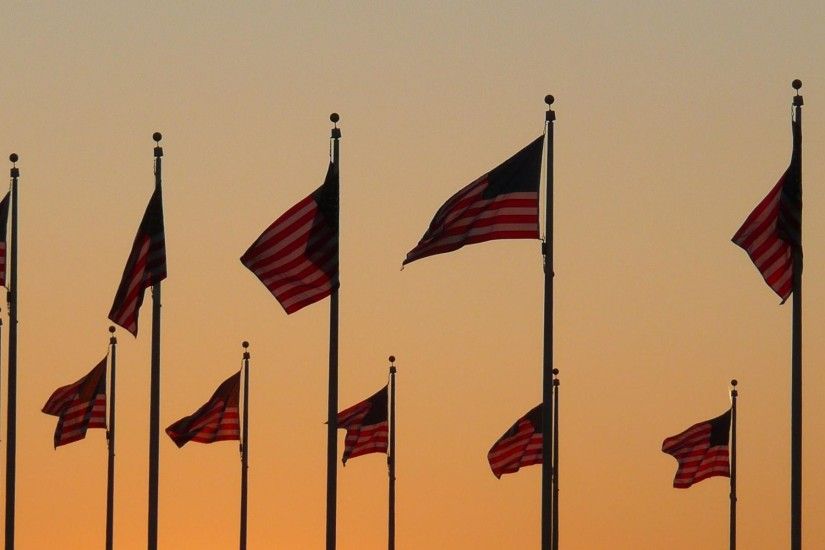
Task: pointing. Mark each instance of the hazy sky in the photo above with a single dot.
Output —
(673, 122)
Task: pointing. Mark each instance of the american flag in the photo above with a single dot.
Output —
(772, 233)
(4, 222)
(145, 267)
(296, 258)
(501, 204)
(366, 425)
(79, 406)
(217, 420)
(521, 445)
(701, 451)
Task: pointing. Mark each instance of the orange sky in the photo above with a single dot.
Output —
(673, 122)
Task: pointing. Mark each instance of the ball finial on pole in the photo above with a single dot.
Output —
(157, 136)
(334, 118)
(111, 329)
(797, 84)
(245, 344)
(392, 358)
(13, 157)
(549, 99)
(734, 382)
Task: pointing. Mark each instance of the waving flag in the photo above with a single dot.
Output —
(296, 258)
(217, 420)
(701, 451)
(145, 267)
(79, 406)
(501, 204)
(521, 445)
(366, 425)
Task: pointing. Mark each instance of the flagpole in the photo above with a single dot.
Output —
(11, 415)
(796, 356)
(110, 436)
(245, 443)
(734, 393)
(547, 373)
(391, 459)
(555, 459)
(332, 405)
(154, 400)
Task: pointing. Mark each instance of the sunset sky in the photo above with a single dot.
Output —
(673, 123)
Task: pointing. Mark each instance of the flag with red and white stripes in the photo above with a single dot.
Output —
(79, 406)
(772, 233)
(217, 420)
(4, 223)
(296, 258)
(702, 451)
(145, 267)
(521, 445)
(367, 426)
(501, 204)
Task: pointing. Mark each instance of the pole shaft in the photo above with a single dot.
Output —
(547, 372)
(11, 418)
(734, 395)
(110, 474)
(332, 405)
(556, 464)
(391, 464)
(245, 450)
(796, 373)
(154, 396)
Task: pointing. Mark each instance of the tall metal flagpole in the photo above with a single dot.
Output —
(110, 437)
(796, 354)
(332, 405)
(245, 443)
(547, 373)
(11, 415)
(734, 393)
(391, 459)
(154, 399)
(556, 459)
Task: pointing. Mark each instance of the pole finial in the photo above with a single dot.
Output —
(245, 344)
(158, 149)
(392, 358)
(797, 84)
(734, 382)
(112, 329)
(157, 136)
(13, 157)
(549, 99)
(550, 115)
(334, 118)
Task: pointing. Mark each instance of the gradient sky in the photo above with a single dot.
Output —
(673, 122)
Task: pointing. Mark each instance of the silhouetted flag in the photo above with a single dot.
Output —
(771, 235)
(4, 224)
(501, 204)
(79, 406)
(366, 425)
(701, 450)
(145, 267)
(521, 445)
(217, 420)
(296, 258)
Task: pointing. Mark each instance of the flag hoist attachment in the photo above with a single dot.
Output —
(110, 438)
(547, 499)
(11, 401)
(244, 445)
